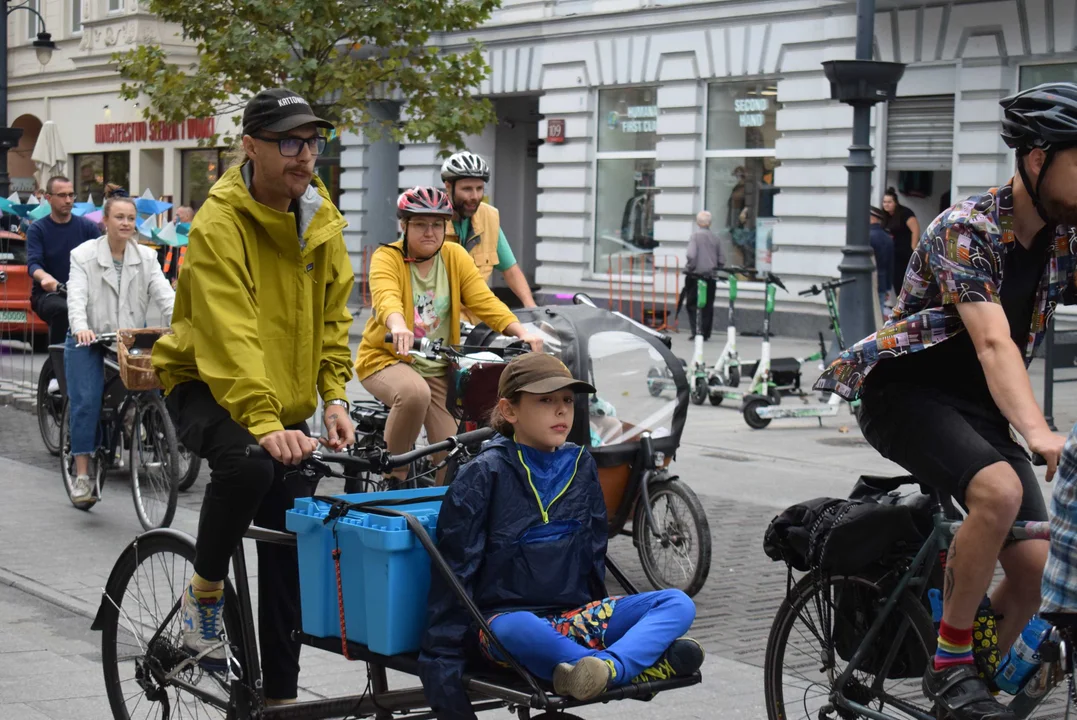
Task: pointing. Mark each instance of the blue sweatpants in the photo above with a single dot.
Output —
(633, 631)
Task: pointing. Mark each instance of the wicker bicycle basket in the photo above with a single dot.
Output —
(136, 366)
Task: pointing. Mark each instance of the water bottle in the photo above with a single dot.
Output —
(1023, 659)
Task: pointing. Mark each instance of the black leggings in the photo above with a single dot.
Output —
(242, 490)
(943, 440)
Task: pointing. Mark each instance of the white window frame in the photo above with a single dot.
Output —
(592, 244)
(731, 153)
(115, 6)
(76, 30)
(33, 25)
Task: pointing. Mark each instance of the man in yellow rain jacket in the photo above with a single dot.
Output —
(261, 327)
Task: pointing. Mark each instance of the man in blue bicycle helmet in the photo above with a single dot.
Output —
(944, 380)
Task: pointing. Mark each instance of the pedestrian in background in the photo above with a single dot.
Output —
(704, 257)
(883, 245)
(903, 226)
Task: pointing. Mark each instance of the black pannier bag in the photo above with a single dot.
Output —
(863, 535)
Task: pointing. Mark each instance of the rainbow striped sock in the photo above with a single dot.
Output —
(954, 647)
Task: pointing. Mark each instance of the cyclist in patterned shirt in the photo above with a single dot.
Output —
(945, 378)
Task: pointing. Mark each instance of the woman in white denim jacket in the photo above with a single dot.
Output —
(113, 279)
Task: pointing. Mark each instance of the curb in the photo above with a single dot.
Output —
(32, 587)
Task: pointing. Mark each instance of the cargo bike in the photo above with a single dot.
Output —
(148, 675)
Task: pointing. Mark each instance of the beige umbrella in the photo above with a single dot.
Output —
(48, 156)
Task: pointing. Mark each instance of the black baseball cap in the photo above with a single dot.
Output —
(279, 110)
(538, 373)
(876, 212)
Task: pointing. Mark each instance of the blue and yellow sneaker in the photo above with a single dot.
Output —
(203, 623)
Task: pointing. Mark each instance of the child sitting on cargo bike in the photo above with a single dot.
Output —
(523, 528)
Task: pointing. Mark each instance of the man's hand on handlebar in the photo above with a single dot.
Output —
(49, 283)
(289, 447)
(340, 428)
(85, 337)
(1048, 447)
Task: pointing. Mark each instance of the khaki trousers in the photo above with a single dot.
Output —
(414, 402)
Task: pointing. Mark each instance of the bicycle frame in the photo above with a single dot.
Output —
(916, 578)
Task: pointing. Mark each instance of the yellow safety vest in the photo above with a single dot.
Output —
(481, 243)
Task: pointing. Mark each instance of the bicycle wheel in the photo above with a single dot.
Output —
(136, 659)
(803, 659)
(50, 408)
(154, 462)
(67, 465)
(680, 556)
(189, 467)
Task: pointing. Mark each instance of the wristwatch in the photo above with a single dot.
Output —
(343, 403)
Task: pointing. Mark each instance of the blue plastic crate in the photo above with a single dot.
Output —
(384, 570)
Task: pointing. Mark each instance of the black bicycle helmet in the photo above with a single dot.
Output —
(465, 165)
(1043, 117)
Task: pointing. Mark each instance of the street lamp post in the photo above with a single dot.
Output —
(861, 83)
(9, 136)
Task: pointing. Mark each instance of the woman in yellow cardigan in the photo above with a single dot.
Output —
(418, 285)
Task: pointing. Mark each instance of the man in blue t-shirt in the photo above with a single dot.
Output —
(49, 243)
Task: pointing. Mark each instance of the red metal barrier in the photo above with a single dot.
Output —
(643, 279)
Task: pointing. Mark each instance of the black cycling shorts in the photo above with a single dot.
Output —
(944, 440)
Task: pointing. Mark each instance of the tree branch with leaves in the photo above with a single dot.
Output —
(342, 56)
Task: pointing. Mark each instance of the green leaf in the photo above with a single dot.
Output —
(340, 56)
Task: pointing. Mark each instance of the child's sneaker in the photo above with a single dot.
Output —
(684, 657)
(203, 623)
(585, 680)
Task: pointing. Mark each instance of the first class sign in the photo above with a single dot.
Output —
(134, 132)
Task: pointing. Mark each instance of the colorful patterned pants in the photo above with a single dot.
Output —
(633, 631)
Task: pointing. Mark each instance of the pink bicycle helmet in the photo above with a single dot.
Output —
(423, 201)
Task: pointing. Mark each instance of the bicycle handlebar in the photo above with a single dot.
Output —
(386, 462)
(416, 342)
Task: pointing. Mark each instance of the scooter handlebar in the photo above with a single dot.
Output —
(828, 285)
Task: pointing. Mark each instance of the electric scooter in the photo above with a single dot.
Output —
(764, 380)
(726, 369)
(759, 410)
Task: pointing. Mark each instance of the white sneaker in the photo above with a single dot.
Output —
(54, 386)
(81, 489)
(203, 625)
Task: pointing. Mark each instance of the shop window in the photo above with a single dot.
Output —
(624, 180)
(95, 170)
(1033, 75)
(201, 169)
(739, 169)
(33, 25)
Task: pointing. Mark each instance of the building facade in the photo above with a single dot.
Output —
(619, 120)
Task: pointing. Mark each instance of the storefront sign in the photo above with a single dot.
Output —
(751, 111)
(133, 132)
(637, 119)
(555, 131)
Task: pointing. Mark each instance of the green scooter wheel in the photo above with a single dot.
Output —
(699, 391)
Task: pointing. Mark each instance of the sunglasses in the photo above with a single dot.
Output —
(291, 146)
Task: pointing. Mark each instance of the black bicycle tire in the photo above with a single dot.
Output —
(43, 400)
(784, 619)
(153, 401)
(641, 531)
(110, 615)
(553, 715)
(193, 468)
